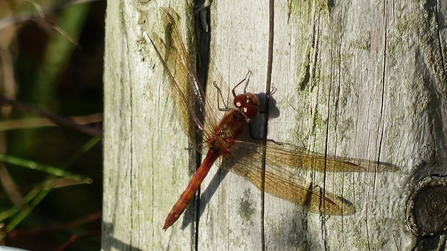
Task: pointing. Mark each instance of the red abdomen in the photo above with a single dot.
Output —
(193, 185)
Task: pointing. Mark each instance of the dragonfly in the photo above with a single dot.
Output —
(224, 141)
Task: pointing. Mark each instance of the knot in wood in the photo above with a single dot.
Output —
(427, 206)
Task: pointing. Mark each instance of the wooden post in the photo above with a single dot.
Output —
(353, 79)
(145, 162)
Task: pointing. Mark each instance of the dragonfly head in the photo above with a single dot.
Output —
(248, 103)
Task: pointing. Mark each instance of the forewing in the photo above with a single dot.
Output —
(280, 155)
(185, 89)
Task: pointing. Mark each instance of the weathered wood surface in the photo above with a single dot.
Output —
(354, 79)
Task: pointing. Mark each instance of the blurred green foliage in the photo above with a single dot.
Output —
(51, 72)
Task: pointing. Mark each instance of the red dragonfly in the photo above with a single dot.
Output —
(223, 139)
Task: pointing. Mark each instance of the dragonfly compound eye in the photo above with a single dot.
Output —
(248, 103)
(252, 99)
(239, 101)
(250, 110)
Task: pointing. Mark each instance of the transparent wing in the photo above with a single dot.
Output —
(296, 190)
(246, 158)
(298, 157)
(186, 90)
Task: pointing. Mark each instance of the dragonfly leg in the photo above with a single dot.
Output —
(250, 131)
(273, 91)
(264, 96)
(247, 77)
(220, 96)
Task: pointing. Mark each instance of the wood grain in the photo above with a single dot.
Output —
(355, 79)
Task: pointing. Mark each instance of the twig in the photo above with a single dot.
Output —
(58, 120)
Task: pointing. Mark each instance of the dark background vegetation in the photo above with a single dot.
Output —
(62, 73)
